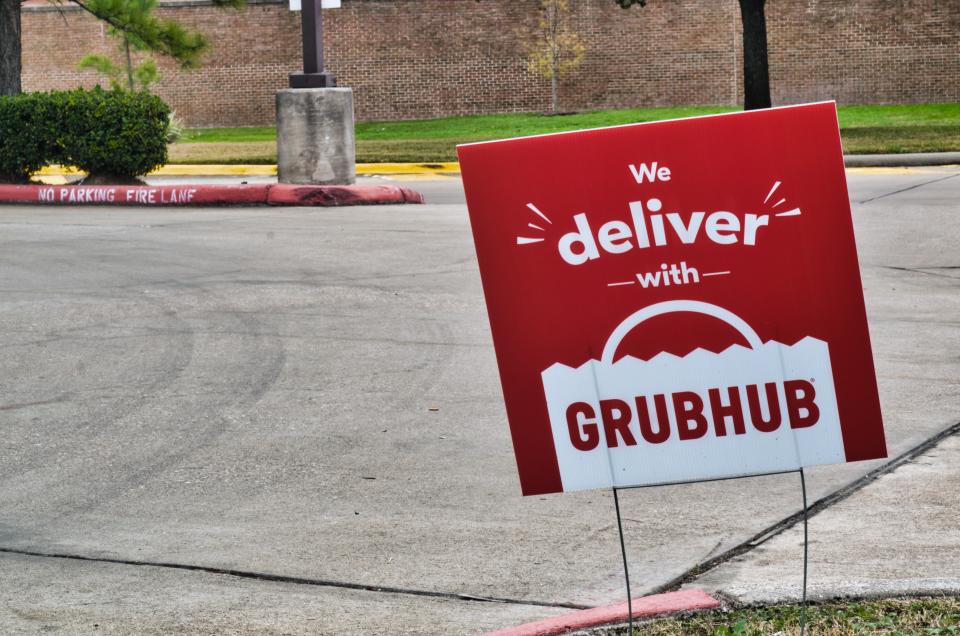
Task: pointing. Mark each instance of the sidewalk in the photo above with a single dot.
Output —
(897, 536)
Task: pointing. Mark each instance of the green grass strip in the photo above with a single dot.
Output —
(888, 617)
(477, 127)
(865, 129)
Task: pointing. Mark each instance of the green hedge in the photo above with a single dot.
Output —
(104, 133)
(27, 136)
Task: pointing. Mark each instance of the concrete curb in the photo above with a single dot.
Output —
(281, 194)
(645, 607)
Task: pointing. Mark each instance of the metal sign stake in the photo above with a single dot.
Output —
(623, 546)
(803, 600)
(626, 568)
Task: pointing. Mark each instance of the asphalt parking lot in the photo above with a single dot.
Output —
(195, 403)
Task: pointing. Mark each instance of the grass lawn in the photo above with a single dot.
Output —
(890, 617)
(865, 129)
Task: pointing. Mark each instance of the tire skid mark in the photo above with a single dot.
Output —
(175, 356)
(207, 417)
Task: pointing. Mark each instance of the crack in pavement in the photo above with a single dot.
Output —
(913, 187)
(66, 397)
(296, 580)
(817, 507)
(704, 566)
(753, 542)
(914, 270)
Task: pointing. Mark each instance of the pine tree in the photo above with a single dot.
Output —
(131, 19)
(126, 75)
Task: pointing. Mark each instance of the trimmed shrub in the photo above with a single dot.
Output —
(27, 136)
(112, 133)
(115, 134)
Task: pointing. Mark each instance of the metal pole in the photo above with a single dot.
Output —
(626, 568)
(803, 602)
(312, 29)
(314, 75)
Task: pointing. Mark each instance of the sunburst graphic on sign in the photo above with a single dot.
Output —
(793, 212)
(527, 240)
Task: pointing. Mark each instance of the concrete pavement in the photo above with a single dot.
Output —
(897, 536)
(313, 394)
(40, 595)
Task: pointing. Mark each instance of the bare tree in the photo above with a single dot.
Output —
(554, 49)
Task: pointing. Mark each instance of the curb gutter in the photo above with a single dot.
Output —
(282, 194)
(644, 607)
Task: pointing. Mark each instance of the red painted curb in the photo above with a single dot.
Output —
(289, 194)
(199, 195)
(668, 603)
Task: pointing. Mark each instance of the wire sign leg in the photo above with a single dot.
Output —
(803, 601)
(626, 569)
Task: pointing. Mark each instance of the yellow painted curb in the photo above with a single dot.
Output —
(56, 170)
(408, 168)
(177, 170)
(225, 170)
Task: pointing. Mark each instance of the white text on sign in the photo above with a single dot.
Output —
(618, 237)
(650, 173)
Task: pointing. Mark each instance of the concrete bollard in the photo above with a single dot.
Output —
(315, 136)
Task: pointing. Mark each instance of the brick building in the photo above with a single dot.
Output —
(425, 58)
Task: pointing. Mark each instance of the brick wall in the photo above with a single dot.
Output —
(426, 58)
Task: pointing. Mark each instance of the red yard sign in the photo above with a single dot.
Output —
(675, 301)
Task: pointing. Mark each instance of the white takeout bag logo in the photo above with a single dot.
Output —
(767, 408)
